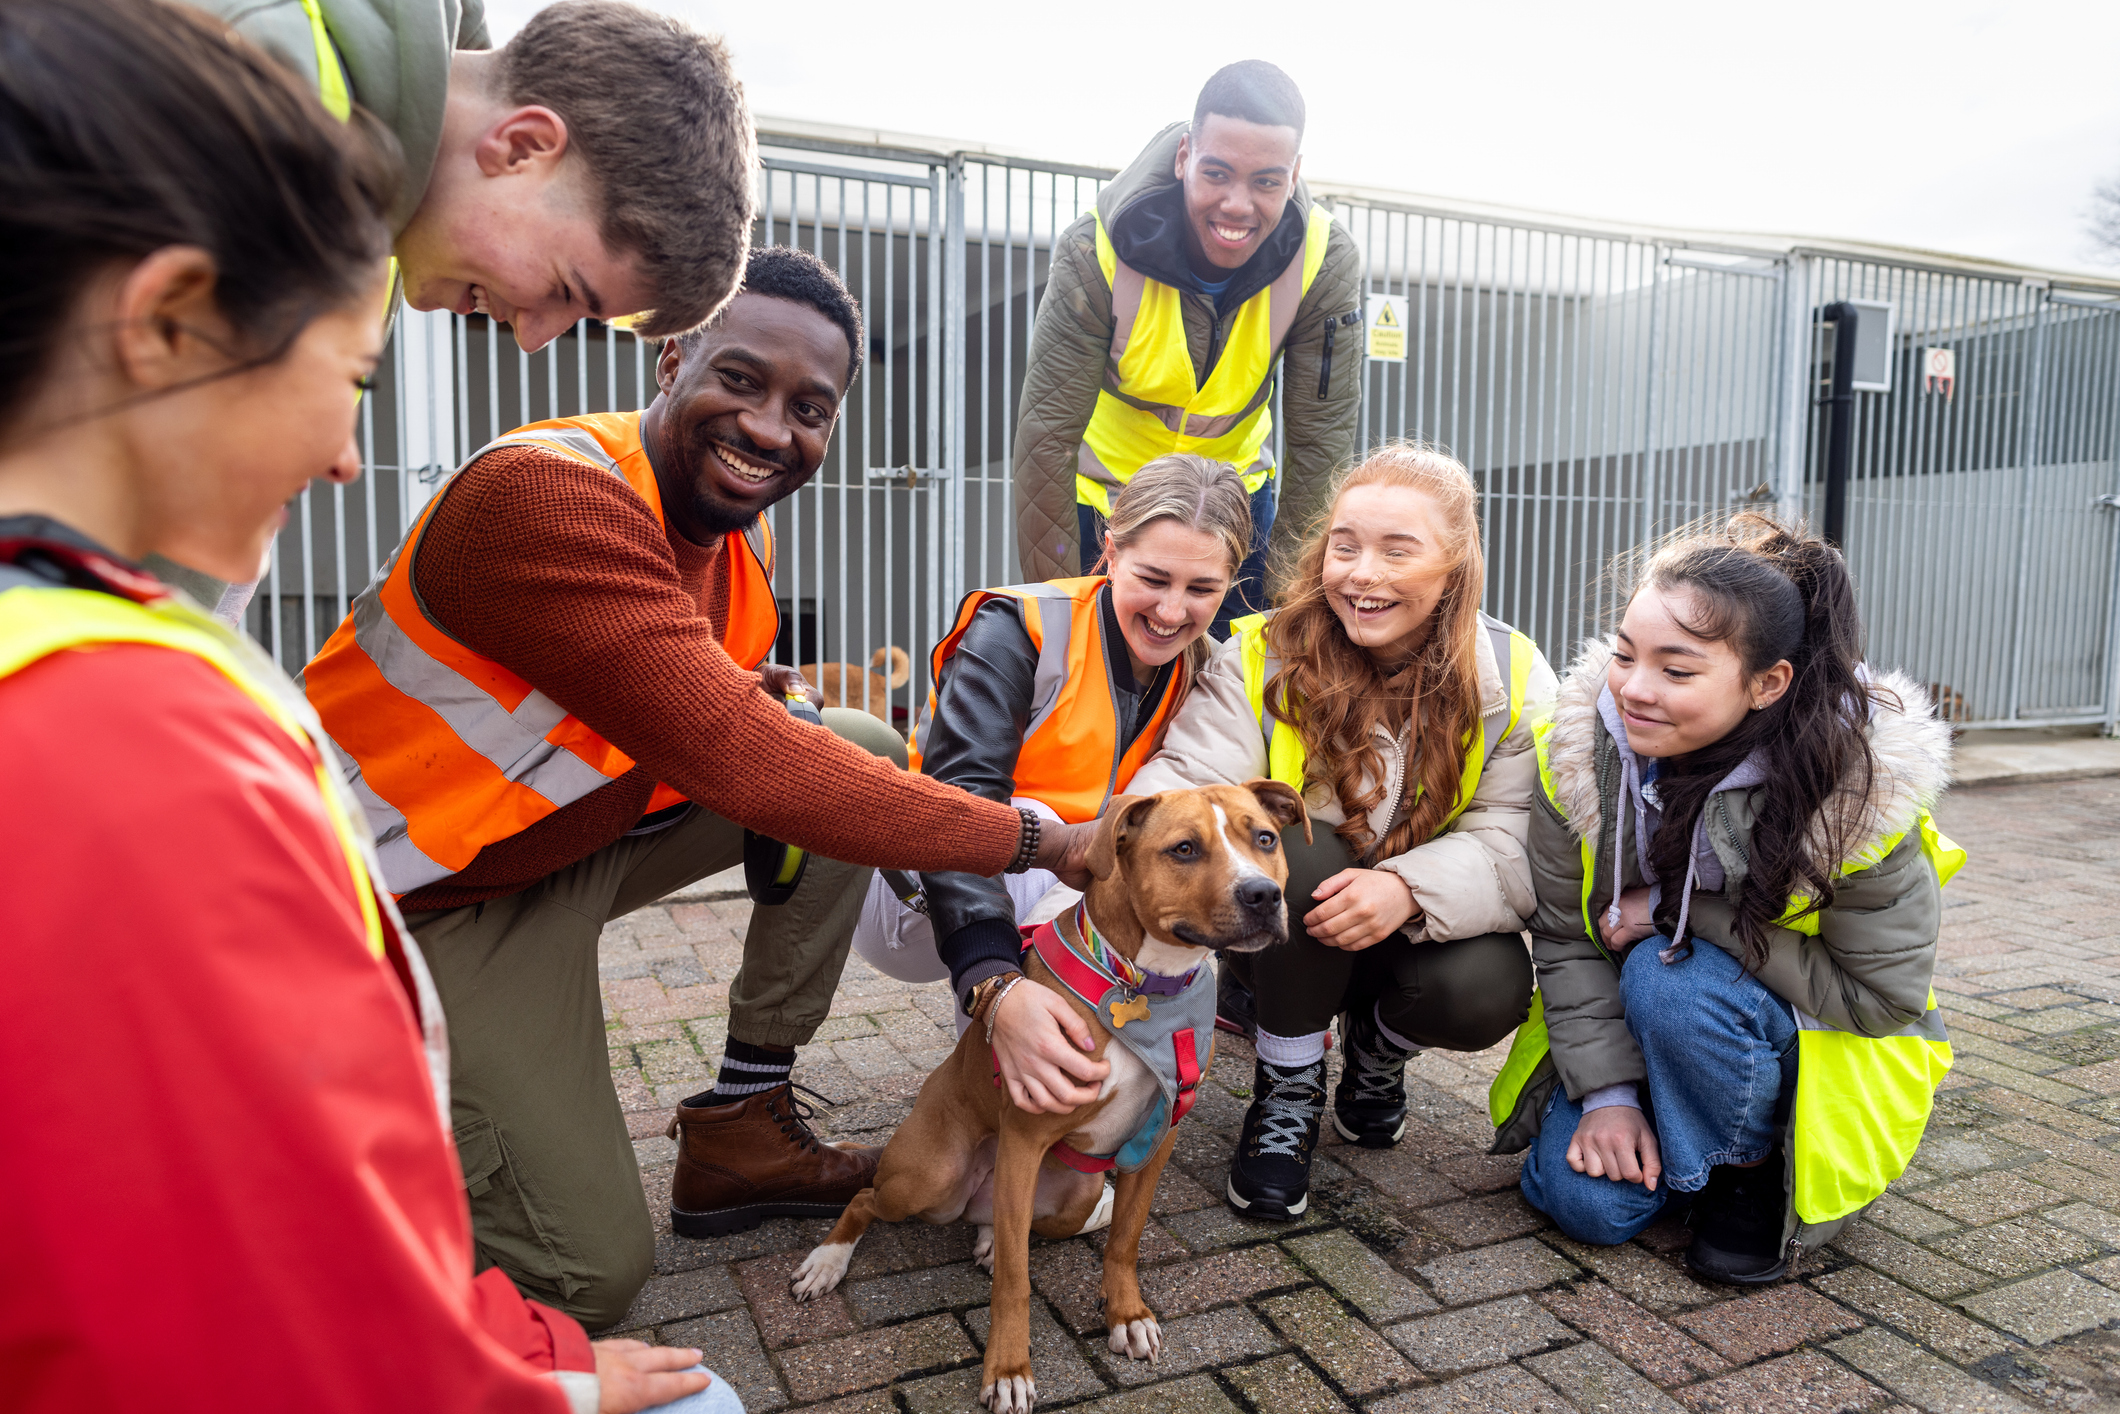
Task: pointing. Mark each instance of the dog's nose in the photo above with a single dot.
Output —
(1259, 895)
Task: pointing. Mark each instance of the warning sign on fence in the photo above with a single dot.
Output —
(1387, 328)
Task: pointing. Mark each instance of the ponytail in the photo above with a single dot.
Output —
(1774, 593)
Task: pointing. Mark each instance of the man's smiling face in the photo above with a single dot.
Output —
(746, 408)
(1238, 176)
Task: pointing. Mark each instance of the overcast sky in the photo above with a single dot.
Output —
(1966, 127)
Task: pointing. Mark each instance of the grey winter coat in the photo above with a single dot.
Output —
(1071, 343)
(1868, 968)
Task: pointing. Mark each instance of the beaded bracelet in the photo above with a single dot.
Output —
(1027, 842)
(993, 1006)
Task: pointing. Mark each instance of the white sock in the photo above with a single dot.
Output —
(1290, 1052)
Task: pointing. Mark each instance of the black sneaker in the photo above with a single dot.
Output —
(1737, 1223)
(1233, 1004)
(1269, 1175)
(1369, 1103)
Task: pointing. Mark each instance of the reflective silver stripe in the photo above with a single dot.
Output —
(1283, 296)
(1495, 725)
(404, 865)
(570, 440)
(1927, 1027)
(1055, 638)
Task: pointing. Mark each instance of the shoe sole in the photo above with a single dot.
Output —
(1271, 1213)
(1369, 1141)
(719, 1222)
(1708, 1272)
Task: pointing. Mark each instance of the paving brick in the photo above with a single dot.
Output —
(1157, 1245)
(1885, 1300)
(1056, 1360)
(1184, 1288)
(1908, 1219)
(729, 1343)
(1926, 1272)
(1475, 1222)
(1487, 1272)
(1069, 1275)
(1478, 1336)
(1592, 1377)
(2098, 1224)
(2046, 1308)
(1198, 1395)
(782, 1320)
(903, 1295)
(1986, 1198)
(1644, 1340)
(1654, 1283)
(1480, 1172)
(1775, 1320)
(1177, 1193)
(1193, 1343)
(1914, 1374)
(1401, 1174)
(2071, 1181)
(875, 1402)
(1507, 1388)
(684, 1294)
(2016, 1247)
(1360, 1277)
(1217, 1227)
(906, 1246)
(1355, 1356)
(873, 1358)
(2107, 1271)
(1805, 1383)
(1286, 1386)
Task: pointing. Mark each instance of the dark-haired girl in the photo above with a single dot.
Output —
(1738, 904)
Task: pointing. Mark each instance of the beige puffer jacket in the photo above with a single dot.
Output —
(1471, 879)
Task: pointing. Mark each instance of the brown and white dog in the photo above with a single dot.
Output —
(1176, 876)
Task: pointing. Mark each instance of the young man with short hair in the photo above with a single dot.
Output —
(1204, 265)
(551, 710)
(599, 164)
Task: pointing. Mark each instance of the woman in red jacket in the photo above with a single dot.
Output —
(228, 1180)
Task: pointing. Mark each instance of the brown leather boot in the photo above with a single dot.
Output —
(741, 1163)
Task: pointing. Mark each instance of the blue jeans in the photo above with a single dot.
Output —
(1247, 593)
(1721, 1054)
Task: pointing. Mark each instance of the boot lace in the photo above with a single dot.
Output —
(1379, 1078)
(1289, 1109)
(795, 1119)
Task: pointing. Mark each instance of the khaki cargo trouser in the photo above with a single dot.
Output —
(556, 1199)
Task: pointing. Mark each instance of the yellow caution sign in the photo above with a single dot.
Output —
(1387, 328)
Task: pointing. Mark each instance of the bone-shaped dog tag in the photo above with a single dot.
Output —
(1133, 1009)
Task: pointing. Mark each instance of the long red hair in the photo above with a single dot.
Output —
(1335, 695)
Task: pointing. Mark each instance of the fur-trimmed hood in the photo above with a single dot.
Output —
(1912, 748)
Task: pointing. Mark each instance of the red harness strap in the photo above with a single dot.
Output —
(1181, 1043)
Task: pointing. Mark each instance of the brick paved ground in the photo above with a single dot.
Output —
(1421, 1283)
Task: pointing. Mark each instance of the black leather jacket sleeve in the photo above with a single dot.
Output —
(982, 712)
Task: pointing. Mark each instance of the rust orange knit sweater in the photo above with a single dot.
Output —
(561, 574)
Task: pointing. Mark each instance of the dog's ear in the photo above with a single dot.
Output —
(1122, 818)
(1283, 802)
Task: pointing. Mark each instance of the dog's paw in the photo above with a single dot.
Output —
(1011, 1394)
(983, 1249)
(821, 1270)
(1138, 1340)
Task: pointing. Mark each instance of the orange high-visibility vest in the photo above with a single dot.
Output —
(447, 750)
(1070, 758)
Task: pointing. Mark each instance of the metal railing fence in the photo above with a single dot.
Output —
(1603, 387)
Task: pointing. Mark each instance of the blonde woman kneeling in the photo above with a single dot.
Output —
(1405, 716)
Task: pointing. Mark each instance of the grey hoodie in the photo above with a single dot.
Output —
(396, 57)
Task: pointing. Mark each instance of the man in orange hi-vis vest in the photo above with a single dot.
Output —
(550, 702)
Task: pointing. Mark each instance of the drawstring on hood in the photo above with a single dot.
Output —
(1637, 799)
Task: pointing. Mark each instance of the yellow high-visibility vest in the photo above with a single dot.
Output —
(38, 621)
(1862, 1102)
(1514, 655)
(1151, 405)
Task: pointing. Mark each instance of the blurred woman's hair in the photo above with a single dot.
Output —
(1332, 692)
(128, 126)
